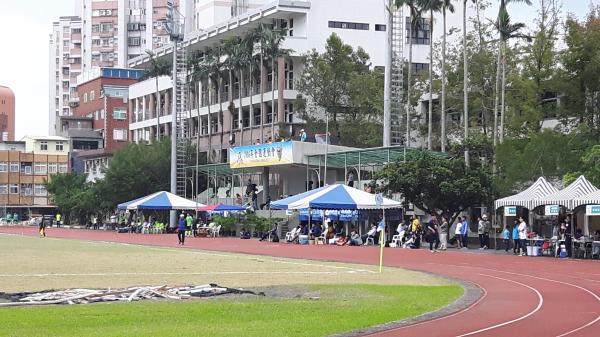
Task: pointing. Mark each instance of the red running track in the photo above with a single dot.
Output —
(522, 296)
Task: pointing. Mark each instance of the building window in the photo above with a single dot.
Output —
(95, 28)
(92, 95)
(26, 168)
(3, 189)
(119, 134)
(3, 166)
(43, 146)
(420, 67)
(52, 168)
(40, 168)
(134, 41)
(348, 25)
(14, 166)
(13, 188)
(59, 146)
(40, 190)
(96, 43)
(27, 189)
(62, 168)
(421, 34)
(120, 113)
(106, 27)
(85, 97)
(380, 28)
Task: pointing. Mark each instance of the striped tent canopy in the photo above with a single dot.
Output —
(540, 189)
(566, 197)
(588, 199)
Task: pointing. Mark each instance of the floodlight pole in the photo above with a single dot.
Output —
(326, 146)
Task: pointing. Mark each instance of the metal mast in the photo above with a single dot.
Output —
(397, 78)
(175, 26)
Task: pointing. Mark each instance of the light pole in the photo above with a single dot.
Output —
(326, 146)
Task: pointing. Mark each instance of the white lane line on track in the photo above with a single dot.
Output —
(549, 280)
(178, 273)
(443, 317)
(540, 303)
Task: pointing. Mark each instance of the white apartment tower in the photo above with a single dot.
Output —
(105, 33)
(115, 31)
(65, 64)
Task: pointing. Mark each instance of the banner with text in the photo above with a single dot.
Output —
(278, 153)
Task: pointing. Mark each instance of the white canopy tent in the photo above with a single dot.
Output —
(540, 189)
(566, 197)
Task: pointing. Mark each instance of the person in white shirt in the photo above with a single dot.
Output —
(458, 234)
(523, 236)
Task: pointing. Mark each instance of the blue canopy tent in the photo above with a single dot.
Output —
(336, 197)
(159, 201)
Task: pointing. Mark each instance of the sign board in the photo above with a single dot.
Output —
(510, 210)
(592, 210)
(552, 210)
(289, 212)
(278, 153)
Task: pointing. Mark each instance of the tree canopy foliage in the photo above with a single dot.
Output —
(340, 81)
(437, 184)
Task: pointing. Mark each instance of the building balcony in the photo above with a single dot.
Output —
(74, 102)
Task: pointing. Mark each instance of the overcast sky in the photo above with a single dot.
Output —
(26, 24)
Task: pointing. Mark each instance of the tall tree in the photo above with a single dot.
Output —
(579, 78)
(446, 6)
(465, 81)
(415, 22)
(273, 47)
(158, 67)
(506, 31)
(431, 6)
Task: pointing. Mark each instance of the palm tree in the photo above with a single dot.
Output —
(233, 51)
(196, 75)
(204, 69)
(465, 81)
(431, 6)
(158, 67)
(248, 58)
(273, 41)
(506, 31)
(260, 35)
(446, 5)
(415, 16)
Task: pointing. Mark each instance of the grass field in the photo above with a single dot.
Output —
(347, 296)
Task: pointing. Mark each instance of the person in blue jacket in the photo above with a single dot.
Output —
(181, 229)
(465, 232)
(506, 238)
(515, 237)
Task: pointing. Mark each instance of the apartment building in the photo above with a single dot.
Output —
(103, 99)
(25, 166)
(7, 114)
(65, 64)
(308, 25)
(105, 33)
(117, 30)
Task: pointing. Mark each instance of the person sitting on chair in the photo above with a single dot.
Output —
(271, 233)
(245, 234)
(316, 231)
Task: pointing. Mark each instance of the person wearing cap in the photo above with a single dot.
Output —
(302, 135)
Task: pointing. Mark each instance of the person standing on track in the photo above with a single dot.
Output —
(458, 234)
(181, 229)
(506, 238)
(465, 233)
(42, 228)
(432, 234)
(443, 231)
(523, 236)
(480, 232)
(515, 237)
